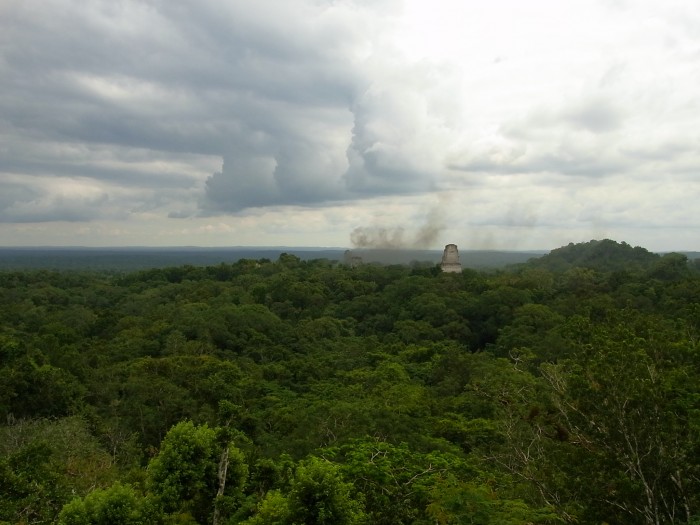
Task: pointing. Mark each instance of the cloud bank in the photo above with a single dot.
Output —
(288, 95)
(575, 119)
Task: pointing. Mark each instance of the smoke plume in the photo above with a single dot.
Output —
(381, 238)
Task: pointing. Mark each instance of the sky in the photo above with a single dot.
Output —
(493, 125)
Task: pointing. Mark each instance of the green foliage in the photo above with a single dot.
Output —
(625, 394)
(43, 463)
(31, 490)
(394, 480)
(272, 510)
(455, 502)
(196, 471)
(117, 505)
(605, 255)
(183, 475)
(32, 387)
(316, 495)
(671, 267)
(564, 390)
(320, 496)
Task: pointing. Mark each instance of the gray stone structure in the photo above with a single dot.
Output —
(351, 260)
(450, 260)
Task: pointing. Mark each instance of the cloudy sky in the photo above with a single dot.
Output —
(501, 124)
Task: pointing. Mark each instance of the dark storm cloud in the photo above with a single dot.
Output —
(273, 88)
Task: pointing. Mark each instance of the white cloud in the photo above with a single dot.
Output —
(297, 122)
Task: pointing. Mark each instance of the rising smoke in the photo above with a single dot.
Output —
(377, 238)
(381, 238)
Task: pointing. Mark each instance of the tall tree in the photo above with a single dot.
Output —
(628, 398)
(186, 475)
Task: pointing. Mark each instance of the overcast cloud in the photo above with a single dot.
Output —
(298, 122)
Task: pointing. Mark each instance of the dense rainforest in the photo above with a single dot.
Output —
(564, 390)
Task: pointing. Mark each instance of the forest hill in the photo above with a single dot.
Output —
(564, 390)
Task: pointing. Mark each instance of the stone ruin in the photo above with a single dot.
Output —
(352, 260)
(450, 260)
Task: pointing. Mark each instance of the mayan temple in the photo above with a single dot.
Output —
(450, 259)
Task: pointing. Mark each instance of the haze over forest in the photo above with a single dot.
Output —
(499, 125)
